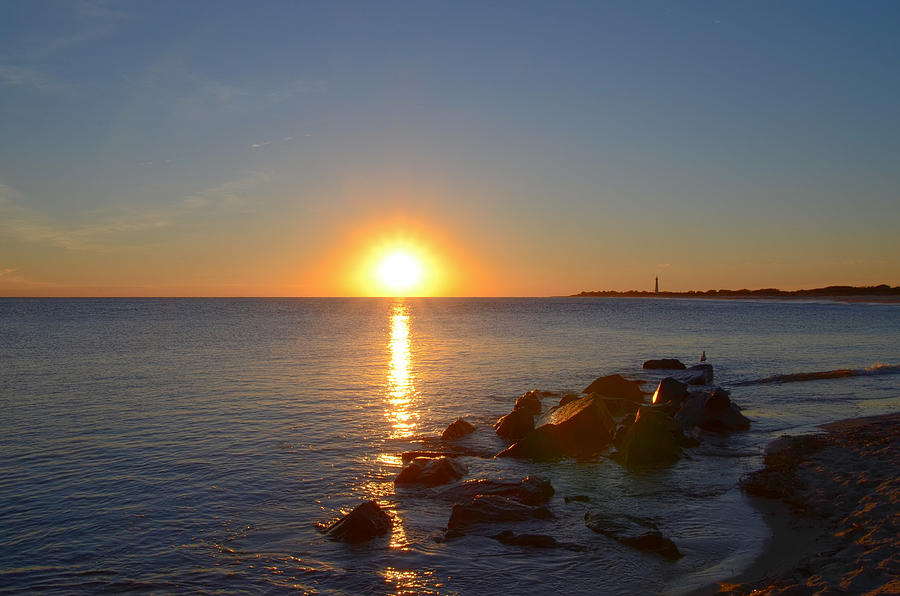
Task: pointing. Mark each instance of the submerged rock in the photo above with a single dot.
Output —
(515, 425)
(492, 509)
(457, 430)
(580, 427)
(365, 522)
(665, 364)
(535, 540)
(616, 386)
(531, 490)
(530, 403)
(653, 439)
(431, 471)
(634, 532)
(711, 410)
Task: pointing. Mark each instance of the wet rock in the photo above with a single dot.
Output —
(653, 439)
(531, 490)
(530, 403)
(581, 427)
(711, 410)
(665, 364)
(568, 397)
(670, 391)
(428, 471)
(515, 425)
(616, 386)
(634, 532)
(534, 540)
(457, 430)
(618, 406)
(486, 509)
(699, 374)
(365, 522)
(408, 456)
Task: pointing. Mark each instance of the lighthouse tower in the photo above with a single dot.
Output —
(656, 289)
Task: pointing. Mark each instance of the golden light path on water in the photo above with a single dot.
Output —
(401, 391)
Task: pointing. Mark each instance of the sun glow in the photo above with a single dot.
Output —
(400, 271)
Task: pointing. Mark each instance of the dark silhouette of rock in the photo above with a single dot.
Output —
(665, 364)
(534, 540)
(486, 509)
(653, 439)
(530, 403)
(699, 374)
(457, 430)
(670, 392)
(580, 427)
(618, 406)
(431, 471)
(568, 397)
(408, 456)
(616, 386)
(515, 425)
(711, 410)
(634, 532)
(531, 490)
(365, 522)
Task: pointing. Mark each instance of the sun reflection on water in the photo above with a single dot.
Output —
(401, 391)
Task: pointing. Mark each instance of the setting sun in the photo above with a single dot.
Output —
(400, 271)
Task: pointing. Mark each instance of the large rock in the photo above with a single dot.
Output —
(618, 406)
(634, 532)
(530, 403)
(670, 392)
(616, 386)
(580, 427)
(711, 410)
(515, 425)
(699, 374)
(431, 471)
(365, 522)
(665, 364)
(486, 509)
(531, 490)
(653, 439)
(457, 430)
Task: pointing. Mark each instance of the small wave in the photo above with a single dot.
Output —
(841, 373)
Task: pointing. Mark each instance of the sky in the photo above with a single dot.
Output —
(514, 148)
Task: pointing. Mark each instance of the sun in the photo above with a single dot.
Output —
(400, 271)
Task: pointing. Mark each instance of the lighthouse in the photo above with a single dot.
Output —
(656, 288)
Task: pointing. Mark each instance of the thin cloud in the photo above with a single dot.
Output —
(20, 76)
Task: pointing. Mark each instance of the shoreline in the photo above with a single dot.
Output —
(832, 503)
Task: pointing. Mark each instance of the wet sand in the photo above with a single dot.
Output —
(833, 503)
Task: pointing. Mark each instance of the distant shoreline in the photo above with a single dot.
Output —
(881, 293)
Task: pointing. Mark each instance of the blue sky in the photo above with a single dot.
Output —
(233, 148)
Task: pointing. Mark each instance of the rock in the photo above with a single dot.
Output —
(431, 471)
(653, 439)
(568, 397)
(580, 427)
(699, 374)
(671, 392)
(711, 410)
(408, 456)
(616, 386)
(665, 364)
(618, 406)
(492, 509)
(515, 425)
(634, 532)
(365, 522)
(536, 540)
(457, 430)
(531, 491)
(530, 403)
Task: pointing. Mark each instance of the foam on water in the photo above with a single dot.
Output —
(192, 445)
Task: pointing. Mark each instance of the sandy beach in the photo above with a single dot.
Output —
(833, 503)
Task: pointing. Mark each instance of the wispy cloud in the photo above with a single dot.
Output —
(20, 76)
(115, 229)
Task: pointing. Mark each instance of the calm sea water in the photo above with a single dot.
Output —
(192, 445)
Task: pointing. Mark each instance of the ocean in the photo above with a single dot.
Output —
(192, 445)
